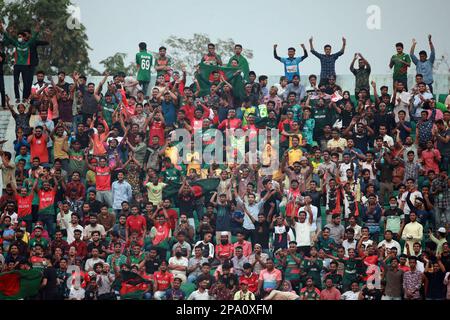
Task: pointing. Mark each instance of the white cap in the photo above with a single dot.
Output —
(442, 230)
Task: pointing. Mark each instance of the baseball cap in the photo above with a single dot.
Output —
(38, 226)
(442, 230)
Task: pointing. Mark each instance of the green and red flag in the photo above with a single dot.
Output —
(133, 286)
(206, 79)
(19, 284)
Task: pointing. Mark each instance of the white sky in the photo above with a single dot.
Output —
(118, 26)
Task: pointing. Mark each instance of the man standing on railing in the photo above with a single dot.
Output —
(400, 62)
(22, 60)
(423, 64)
(327, 60)
(292, 62)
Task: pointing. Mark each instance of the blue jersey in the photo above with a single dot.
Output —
(291, 67)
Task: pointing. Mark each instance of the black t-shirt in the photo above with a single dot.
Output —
(397, 212)
(186, 204)
(273, 199)
(99, 246)
(262, 233)
(51, 276)
(445, 259)
(95, 206)
(361, 141)
(151, 266)
(436, 287)
(373, 294)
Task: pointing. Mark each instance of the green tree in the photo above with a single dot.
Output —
(116, 63)
(189, 52)
(68, 49)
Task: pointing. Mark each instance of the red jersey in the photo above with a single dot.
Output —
(103, 178)
(157, 130)
(38, 148)
(81, 248)
(136, 223)
(252, 281)
(24, 205)
(189, 111)
(230, 124)
(46, 201)
(173, 217)
(162, 280)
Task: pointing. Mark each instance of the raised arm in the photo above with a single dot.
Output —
(432, 49)
(275, 54)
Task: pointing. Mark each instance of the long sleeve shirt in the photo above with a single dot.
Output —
(121, 191)
(412, 232)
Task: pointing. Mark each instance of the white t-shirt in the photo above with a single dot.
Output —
(75, 294)
(414, 195)
(349, 245)
(13, 217)
(389, 245)
(89, 229)
(350, 295)
(183, 261)
(67, 217)
(303, 233)
(357, 229)
(89, 266)
(315, 212)
(196, 295)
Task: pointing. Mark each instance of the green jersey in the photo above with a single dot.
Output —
(400, 68)
(76, 162)
(313, 268)
(107, 111)
(171, 174)
(42, 241)
(22, 55)
(292, 271)
(322, 117)
(297, 110)
(137, 260)
(144, 60)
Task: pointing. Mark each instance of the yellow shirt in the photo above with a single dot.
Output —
(155, 192)
(340, 143)
(295, 154)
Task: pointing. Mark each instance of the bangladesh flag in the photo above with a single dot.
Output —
(21, 284)
(133, 286)
(200, 187)
(205, 79)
